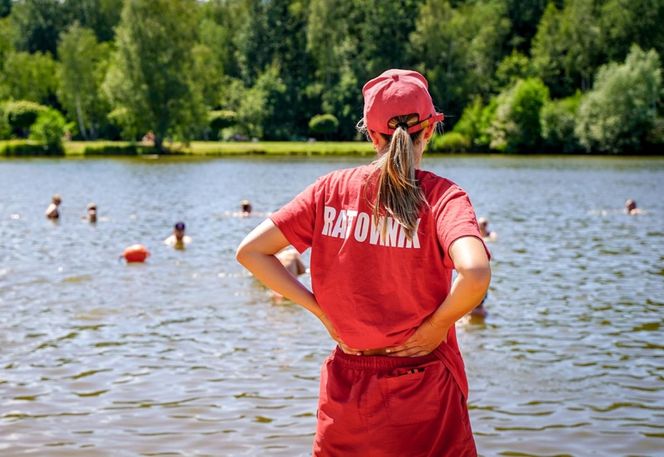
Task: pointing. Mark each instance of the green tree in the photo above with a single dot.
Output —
(83, 66)
(627, 22)
(7, 38)
(566, 50)
(49, 129)
(101, 16)
(621, 110)
(459, 49)
(512, 68)
(150, 81)
(516, 124)
(39, 24)
(475, 122)
(28, 76)
(558, 121)
(274, 36)
(524, 16)
(258, 106)
(5, 8)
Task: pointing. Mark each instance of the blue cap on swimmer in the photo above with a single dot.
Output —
(179, 226)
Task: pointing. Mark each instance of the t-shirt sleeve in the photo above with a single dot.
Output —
(297, 218)
(456, 219)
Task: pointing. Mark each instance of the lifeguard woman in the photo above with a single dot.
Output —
(385, 238)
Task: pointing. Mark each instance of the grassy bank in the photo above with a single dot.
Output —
(26, 148)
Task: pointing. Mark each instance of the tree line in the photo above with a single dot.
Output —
(510, 75)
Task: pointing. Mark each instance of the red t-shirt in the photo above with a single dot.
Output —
(377, 286)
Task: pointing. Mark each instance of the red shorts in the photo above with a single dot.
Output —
(390, 406)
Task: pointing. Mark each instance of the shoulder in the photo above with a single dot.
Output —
(342, 180)
(436, 188)
(347, 174)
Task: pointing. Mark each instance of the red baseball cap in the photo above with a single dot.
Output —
(397, 93)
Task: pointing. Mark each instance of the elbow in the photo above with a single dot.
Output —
(241, 254)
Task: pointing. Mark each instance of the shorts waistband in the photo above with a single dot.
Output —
(380, 362)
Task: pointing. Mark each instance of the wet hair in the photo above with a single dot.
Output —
(245, 205)
(179, 226)
(398, 191)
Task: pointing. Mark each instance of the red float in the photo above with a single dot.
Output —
(136, 253)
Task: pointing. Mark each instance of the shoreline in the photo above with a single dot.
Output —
(102, 148)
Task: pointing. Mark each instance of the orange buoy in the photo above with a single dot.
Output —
(136, 253)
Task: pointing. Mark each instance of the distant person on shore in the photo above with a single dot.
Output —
(178, 239)
(53, 211)
(486, 233)
(631, 209)
(148, 138)
(92, 213)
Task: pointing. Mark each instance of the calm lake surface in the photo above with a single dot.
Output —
(187, 355)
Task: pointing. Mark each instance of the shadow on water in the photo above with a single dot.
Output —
(187, 354)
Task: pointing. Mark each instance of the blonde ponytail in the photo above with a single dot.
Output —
(399, 193)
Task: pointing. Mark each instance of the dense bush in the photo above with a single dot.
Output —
(655, 138)
(516, 124)
(323, 124)
(130, 149)
(621, 110)
(26, 148)
(475, 123)
(450, 142)
(220, 119)
(49, 129)
(20, 115)
(558, 120)
(5, 129)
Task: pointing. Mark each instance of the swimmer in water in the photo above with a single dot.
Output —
(487, 234)
(178, 239)
(245, 208)
(53, 212)
(631, 209)
(92, 213)
(292, 261)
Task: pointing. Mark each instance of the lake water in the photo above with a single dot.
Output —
(187, 355)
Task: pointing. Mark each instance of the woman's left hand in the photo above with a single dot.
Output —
(426, 338)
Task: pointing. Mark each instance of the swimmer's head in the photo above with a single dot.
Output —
(630, 205)
(178, 230)
(92, 212)
(483, 223)
(56, 199)
(245, 206)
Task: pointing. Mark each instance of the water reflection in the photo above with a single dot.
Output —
(188, 355)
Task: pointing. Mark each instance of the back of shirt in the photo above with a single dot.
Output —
(375, 284)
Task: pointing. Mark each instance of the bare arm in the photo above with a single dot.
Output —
(257, 254)
(470, 286)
